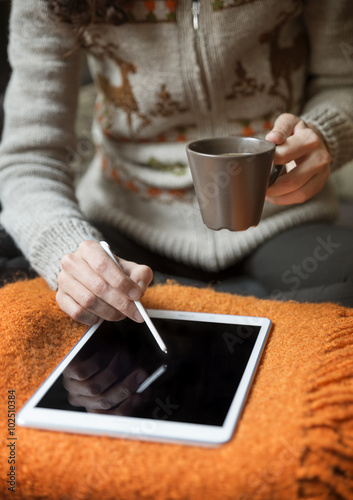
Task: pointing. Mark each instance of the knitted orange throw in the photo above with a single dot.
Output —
(294, 441)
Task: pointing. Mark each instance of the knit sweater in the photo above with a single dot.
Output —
(175, 72)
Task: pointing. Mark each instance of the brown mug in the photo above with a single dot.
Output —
(231, 176)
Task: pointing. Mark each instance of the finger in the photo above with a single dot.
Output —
(115, 395)
(283, 128)
(87, 296)
(110, 371)
(308, 190)
(140, 274)
(83, 370)
(307, 167)
(124, 389)
(291, 181)
(104, 267)
(127, 408)
(74, 310)
(303, 142)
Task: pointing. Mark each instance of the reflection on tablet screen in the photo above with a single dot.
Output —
(121, 371)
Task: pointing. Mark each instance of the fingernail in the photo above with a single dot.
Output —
(275, 137)
(138, 317)
(142, 285)
(134, 294)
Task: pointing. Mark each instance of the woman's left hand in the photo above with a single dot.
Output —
(297, 142)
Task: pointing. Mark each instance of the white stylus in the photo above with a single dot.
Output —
(138, 304)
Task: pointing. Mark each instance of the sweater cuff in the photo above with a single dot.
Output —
(58, 240)
(337, 131)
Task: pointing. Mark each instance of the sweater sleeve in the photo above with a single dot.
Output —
(329, 106)
(39, 208)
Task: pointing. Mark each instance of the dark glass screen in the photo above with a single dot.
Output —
(196, 381)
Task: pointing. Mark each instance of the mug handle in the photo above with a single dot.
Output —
(276, 170)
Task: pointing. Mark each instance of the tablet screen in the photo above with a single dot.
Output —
(194, 383)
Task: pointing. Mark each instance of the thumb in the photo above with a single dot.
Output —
(282, 128)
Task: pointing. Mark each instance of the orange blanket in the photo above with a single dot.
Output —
(294, 441)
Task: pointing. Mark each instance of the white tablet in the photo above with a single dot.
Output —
(117, 382)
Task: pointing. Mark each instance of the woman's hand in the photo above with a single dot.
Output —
(91, 286)
(297, 142)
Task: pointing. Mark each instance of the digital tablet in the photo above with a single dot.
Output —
(116, 381)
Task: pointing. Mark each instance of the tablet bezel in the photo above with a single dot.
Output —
(142, 428)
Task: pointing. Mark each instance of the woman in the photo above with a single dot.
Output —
(168, 72)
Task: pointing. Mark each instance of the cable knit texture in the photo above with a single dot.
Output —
(160, 84)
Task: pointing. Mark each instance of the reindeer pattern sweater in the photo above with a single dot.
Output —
(175, 72)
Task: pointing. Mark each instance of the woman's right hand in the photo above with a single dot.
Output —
(91, 285)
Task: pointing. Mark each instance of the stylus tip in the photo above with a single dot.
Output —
(165, 350)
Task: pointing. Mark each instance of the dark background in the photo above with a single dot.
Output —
(4, 64)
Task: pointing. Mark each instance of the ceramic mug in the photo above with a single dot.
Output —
(231, 176)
